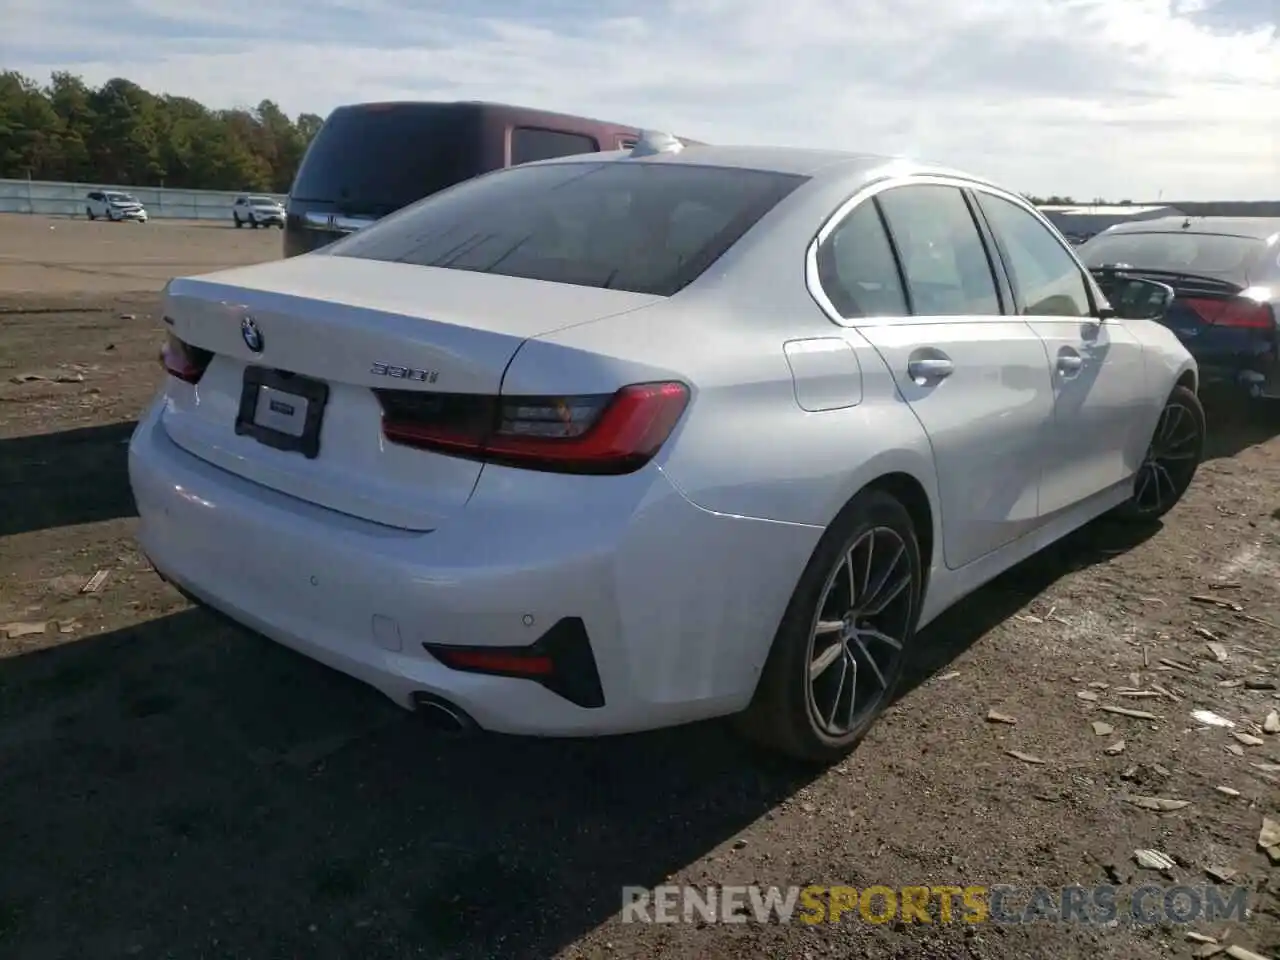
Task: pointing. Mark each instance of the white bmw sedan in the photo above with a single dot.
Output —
(619, 441)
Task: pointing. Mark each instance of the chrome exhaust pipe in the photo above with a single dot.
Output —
(439, 714)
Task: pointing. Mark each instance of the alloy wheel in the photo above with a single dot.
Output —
(858, 631)
(1170, 462)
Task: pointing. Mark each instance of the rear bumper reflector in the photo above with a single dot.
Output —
(560, 660)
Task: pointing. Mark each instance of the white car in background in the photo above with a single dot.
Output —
(258, 211)
(113, 205)
(618, 441)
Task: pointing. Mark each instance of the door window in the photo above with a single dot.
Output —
(1045, 277)
(943, 257)
(857, 270)
(529, 144)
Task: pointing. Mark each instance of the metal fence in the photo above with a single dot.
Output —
(53, 199)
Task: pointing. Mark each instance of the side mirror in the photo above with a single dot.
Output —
(1134, 298)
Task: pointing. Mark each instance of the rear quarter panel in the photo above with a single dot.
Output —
(745, 446)
(1166, 362)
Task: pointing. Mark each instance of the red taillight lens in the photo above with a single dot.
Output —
(1236, 312)
(609, 434)
(184, 361)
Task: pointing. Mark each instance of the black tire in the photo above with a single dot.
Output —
(782, 715)
(89, 213)
(236, 218)
(1171, 461)
(254, 223)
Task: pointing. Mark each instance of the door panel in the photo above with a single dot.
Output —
(1097, 367)
(1099, 407)
(909, 269)
(980, 387)
(977, 381)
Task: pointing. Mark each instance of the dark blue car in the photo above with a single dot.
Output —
(1225, 274)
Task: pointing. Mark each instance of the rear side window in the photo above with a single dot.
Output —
(1046, 277)
(373, 159)
(530, 143)
(942, 253)
(620, 225)
(1206, 254)
(857, 269)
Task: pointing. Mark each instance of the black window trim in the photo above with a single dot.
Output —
(894, 251)
(1018, 303)
(995, 257)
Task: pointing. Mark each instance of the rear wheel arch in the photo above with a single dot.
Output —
(911, 493)
(773, 717)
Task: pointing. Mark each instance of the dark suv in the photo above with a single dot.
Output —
(370, 159)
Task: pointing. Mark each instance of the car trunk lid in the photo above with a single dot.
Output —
(314, 336)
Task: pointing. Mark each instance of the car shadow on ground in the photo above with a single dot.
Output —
(65, 478)
(183, 786)
(956, 629)
(1236, 423)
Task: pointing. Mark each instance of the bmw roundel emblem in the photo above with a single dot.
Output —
(252, 335)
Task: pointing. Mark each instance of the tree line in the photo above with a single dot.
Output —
(120, 133)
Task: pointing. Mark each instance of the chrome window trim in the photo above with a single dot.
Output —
(876, 187)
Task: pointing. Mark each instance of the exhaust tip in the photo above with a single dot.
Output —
(441, 715)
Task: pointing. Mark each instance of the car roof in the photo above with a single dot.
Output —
(797, 161)
(513, 110)
(1258, 228)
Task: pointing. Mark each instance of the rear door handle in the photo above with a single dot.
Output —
(931, 368)
(1069, 364)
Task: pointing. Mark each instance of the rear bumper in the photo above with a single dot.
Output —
(1231, 356)
(679, 605)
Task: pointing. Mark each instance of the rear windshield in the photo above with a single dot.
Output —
(1206, 254)
(376, 159)
(642, 227)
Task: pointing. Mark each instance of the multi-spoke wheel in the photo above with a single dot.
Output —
(1171, 460)
(839, 650)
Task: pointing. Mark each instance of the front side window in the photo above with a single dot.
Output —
(1045, 277)
(857, 269)
(943, 257)
(642, 227)
(530, 143)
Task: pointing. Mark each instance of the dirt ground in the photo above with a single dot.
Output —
(173, 786)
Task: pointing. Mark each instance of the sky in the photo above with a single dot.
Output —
(1122, 99)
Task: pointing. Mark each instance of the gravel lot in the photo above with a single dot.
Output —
(172, 786)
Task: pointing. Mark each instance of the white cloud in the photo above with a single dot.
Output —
(1117, 98)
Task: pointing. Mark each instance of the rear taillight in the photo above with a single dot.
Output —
(1236, 312)
(607, 434)
(184, 361)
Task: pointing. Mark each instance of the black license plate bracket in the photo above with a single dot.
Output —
(282, 410)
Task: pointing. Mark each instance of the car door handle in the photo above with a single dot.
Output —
(1069, 364)
(931, 368)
